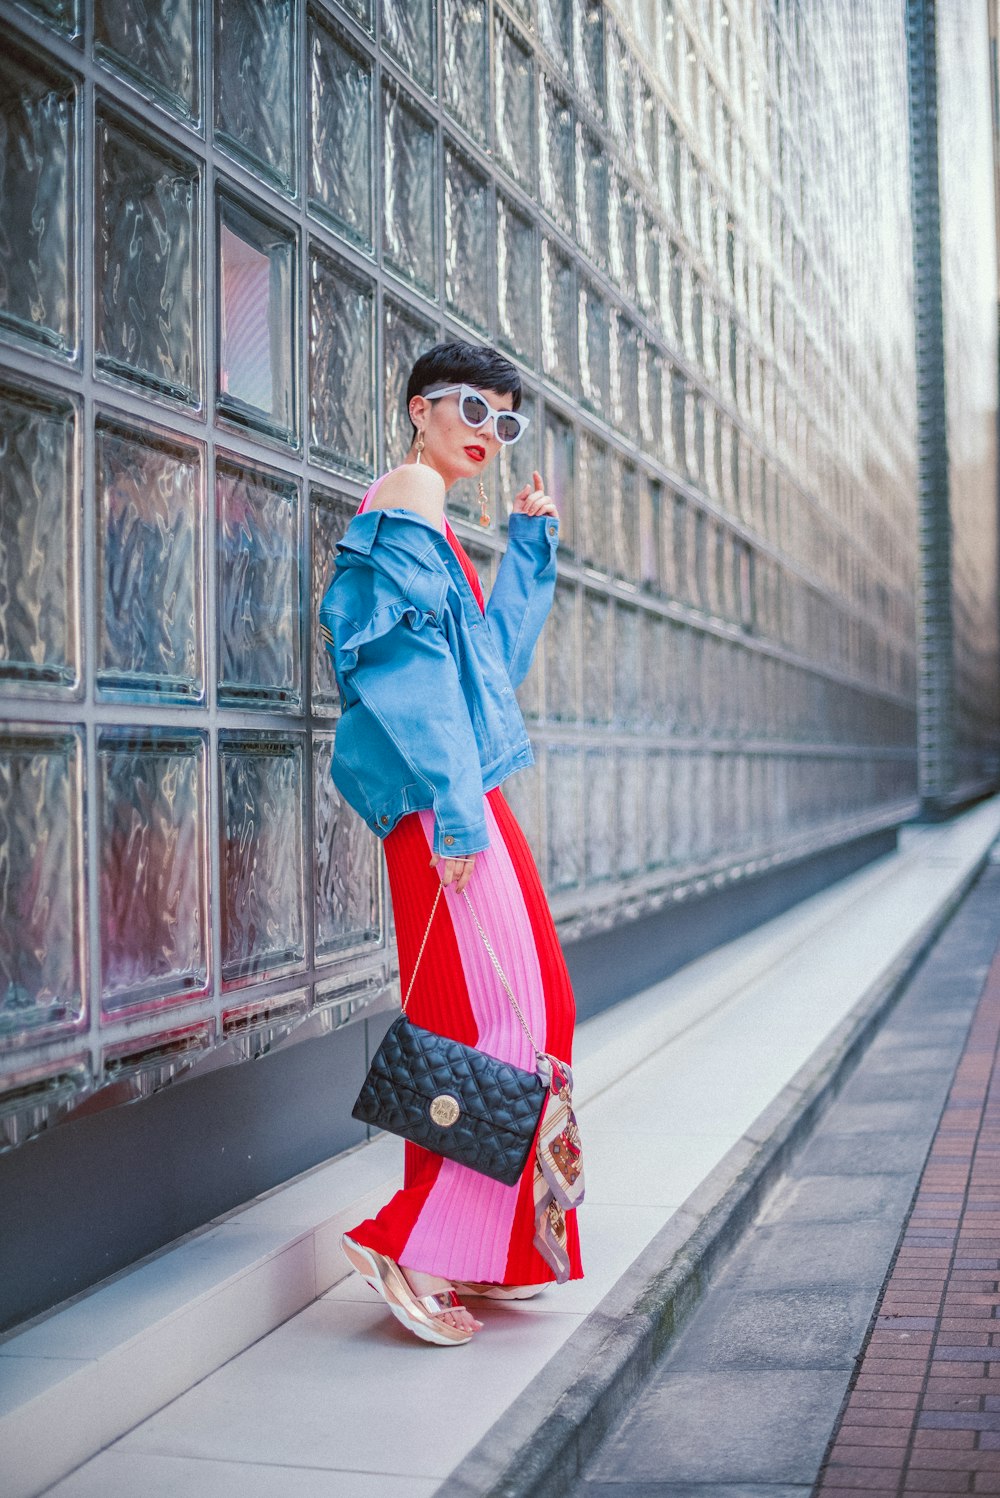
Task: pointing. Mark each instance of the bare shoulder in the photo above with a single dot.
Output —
(414, 486)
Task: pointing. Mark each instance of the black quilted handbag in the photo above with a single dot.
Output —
(451, 1098)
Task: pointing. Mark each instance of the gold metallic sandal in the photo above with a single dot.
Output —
(420, 1314)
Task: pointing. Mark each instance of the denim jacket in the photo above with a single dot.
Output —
(429, 720)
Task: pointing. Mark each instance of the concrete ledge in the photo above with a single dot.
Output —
(74, 1381)
(539, 1447)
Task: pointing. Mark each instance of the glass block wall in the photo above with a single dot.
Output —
(228, 227)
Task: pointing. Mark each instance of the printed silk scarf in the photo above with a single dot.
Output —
(558, 1184)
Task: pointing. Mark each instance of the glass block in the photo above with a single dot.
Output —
(559, 472)
(633, 813)
(624, 237)
(654, 679)
(599, 822)
(258, 586)
(361, 10)
(562, 655)
(557, 156)
(466, 238)
(256, 107)
(596, 680)
(341, 367)
(656, 822)
(625, 520)
(592, 197)
(595, 350)
(589, 27)
(38, 187)
(149, 500)
(340, 132)
(466, 65)
(43, 940)
(555, 26)
(409, 219)
(559, 315)
(147, 259)
(39, 540)
(515, 104)
(260, 837)
(257, 358)
(408, 34)
(563, 795)
(348, 861)
(517, 274)
(156, 42)
(153, 866)
(627, 674)
(627, 382)
(64, 15)
(404, 339)
(331, 514)
(593, 487)
(650, 542)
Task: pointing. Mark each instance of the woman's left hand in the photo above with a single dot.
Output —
(535, 501)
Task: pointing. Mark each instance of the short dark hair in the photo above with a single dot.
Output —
(458, 363)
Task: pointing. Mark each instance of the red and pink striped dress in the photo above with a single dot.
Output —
(449, 1220)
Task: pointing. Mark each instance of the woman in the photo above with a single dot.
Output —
(429, 729)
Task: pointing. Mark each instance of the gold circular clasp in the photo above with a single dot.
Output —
(445, 1110)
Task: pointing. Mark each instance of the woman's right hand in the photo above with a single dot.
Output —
(457, 871)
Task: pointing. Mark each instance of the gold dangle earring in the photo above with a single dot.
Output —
(484, 514)
(420, 445)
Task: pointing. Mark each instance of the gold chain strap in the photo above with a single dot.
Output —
(493, 958)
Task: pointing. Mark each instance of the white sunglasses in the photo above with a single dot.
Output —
(475, 411)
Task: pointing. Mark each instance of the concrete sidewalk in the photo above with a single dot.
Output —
(770, 1365)
(691, 1094)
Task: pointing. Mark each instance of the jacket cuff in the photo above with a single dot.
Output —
(534, 528)
(459, 842)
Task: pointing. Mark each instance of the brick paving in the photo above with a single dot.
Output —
(923, 1414)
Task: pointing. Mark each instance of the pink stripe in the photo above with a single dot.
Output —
(465, 1224)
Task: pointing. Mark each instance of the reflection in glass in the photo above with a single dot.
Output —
(151, 839)
(149, 556)
(409, 228)
(43, 952)
(466, 238)
(596, 682)
(515, 104)
(595, 351)
(258, 586)
(62, 14)
(555, 25)
(589, 16)
(261, 854)
(331, 515)
(256, 378)
(38, 192)
(341, 367)
(340, 124)
(348, 866)
(517, 261)
(408, 34)
(39, 556)
(466, 65)
(592, 196)
(255, 103)
(146, 260)
(156, 42)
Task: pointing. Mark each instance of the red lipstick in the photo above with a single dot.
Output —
(477, 454)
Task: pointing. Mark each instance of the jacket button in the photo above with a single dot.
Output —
(449, 840)
(384, 821)
(552, 530)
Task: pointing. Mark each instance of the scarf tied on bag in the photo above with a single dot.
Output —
(558, 1182)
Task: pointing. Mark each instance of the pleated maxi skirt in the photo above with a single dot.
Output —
(449, 1220)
